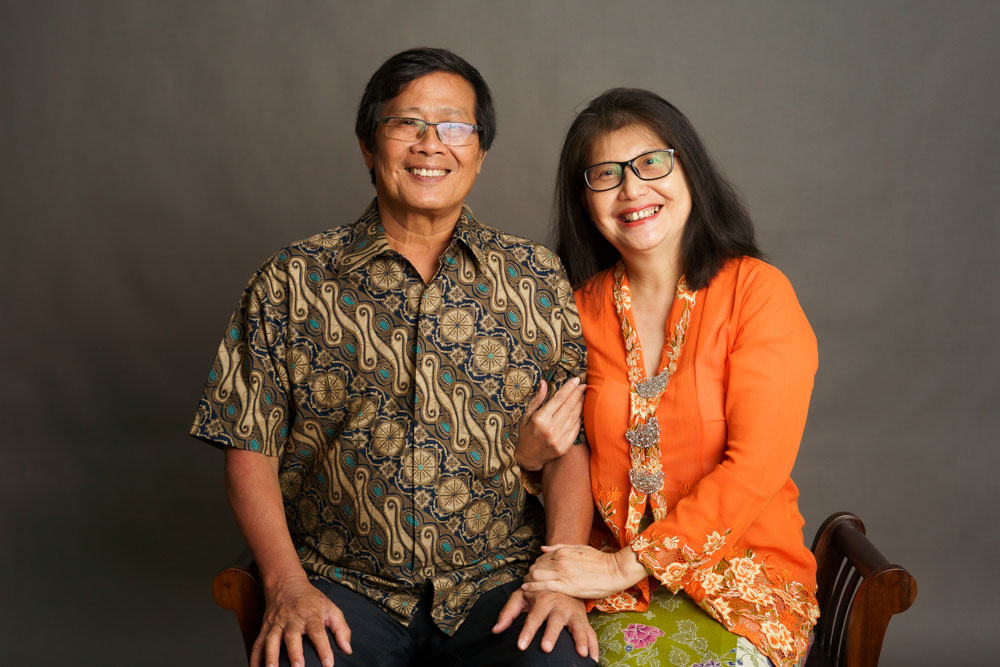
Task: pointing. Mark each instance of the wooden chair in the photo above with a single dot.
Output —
(859, 592)
(237, 588)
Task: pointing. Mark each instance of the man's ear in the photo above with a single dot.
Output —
(367, 154)
(479, 161)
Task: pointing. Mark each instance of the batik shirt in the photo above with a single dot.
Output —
(393, 405)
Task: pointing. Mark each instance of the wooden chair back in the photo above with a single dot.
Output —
(859, 593)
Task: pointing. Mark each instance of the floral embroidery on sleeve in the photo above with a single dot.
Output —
(774, 613)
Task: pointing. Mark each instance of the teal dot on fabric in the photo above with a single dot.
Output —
(408, 566)
(446, 427)
(384, 374)
(543, 348)
(339, 573)
(383, 325)
(363, 243)
(412, 520)
(322, 479)
(479, 407)
(234, 333)
(512, 272)
(230, 410)
(349, 300)
(482, 288)
(348, 510)
(267, 399)
(446, 545)
(377, 491)
(282, 256)
(486, 566)
(313, 323)
(513, 318)
(377, 540)
(283, 431)
(254, 445)
(302, 549)
(476, 456)
(447, 377)
(212, 376)
(349, 460)
(350, 348)
(330, 431)
(544, 300)
(314, 276)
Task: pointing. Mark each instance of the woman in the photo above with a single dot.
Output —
(700, 366)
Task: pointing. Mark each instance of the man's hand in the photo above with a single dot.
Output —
(583, 571)
(295, 608)
(559, 611)
(548, 431)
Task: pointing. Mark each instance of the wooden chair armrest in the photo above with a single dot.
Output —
(237, 589)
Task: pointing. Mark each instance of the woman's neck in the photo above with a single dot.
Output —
(652, 276)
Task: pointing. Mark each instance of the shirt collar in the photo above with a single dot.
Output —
(369, 240)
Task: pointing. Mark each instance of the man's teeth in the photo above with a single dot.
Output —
(639, 215)
(428, 172)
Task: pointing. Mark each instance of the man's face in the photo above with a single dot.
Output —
(426, 177)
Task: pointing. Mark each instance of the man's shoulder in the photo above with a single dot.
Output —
(528, 253)
(325, 248)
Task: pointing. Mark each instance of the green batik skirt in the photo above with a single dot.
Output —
(673, 631)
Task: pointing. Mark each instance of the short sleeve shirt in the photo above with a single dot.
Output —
(393, 405)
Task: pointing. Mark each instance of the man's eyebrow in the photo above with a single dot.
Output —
(451, 111)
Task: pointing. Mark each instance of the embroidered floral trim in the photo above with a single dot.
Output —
(745, 595)
(643, 434)
(606, 498)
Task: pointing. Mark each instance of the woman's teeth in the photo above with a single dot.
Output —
(639, 215)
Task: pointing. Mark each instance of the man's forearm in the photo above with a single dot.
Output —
(255, 496)
(569, 507)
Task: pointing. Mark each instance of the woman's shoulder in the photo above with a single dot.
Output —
(749, 271)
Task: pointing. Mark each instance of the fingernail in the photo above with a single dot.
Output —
(522, 644)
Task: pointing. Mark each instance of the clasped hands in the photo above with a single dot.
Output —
(583, 572)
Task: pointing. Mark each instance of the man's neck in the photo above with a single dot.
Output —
(420, 238)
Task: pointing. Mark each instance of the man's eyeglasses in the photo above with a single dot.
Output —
(412, 129)
(648, 166)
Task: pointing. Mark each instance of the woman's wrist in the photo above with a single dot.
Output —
(630, 569)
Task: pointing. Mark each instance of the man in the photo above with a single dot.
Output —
(370, 392)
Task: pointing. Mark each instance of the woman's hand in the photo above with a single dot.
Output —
(548, 431)
(583, 571)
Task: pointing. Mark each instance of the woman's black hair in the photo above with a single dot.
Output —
(406, 66)
(719, 226)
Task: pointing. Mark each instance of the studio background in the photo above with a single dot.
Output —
(153, 154)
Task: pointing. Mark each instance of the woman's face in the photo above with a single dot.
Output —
(639, 218)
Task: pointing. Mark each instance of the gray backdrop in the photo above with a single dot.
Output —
(154, 153)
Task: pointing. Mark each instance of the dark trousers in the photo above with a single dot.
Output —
(378, 639)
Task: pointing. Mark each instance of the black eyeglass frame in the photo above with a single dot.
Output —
(631, 165)
(424, 124)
